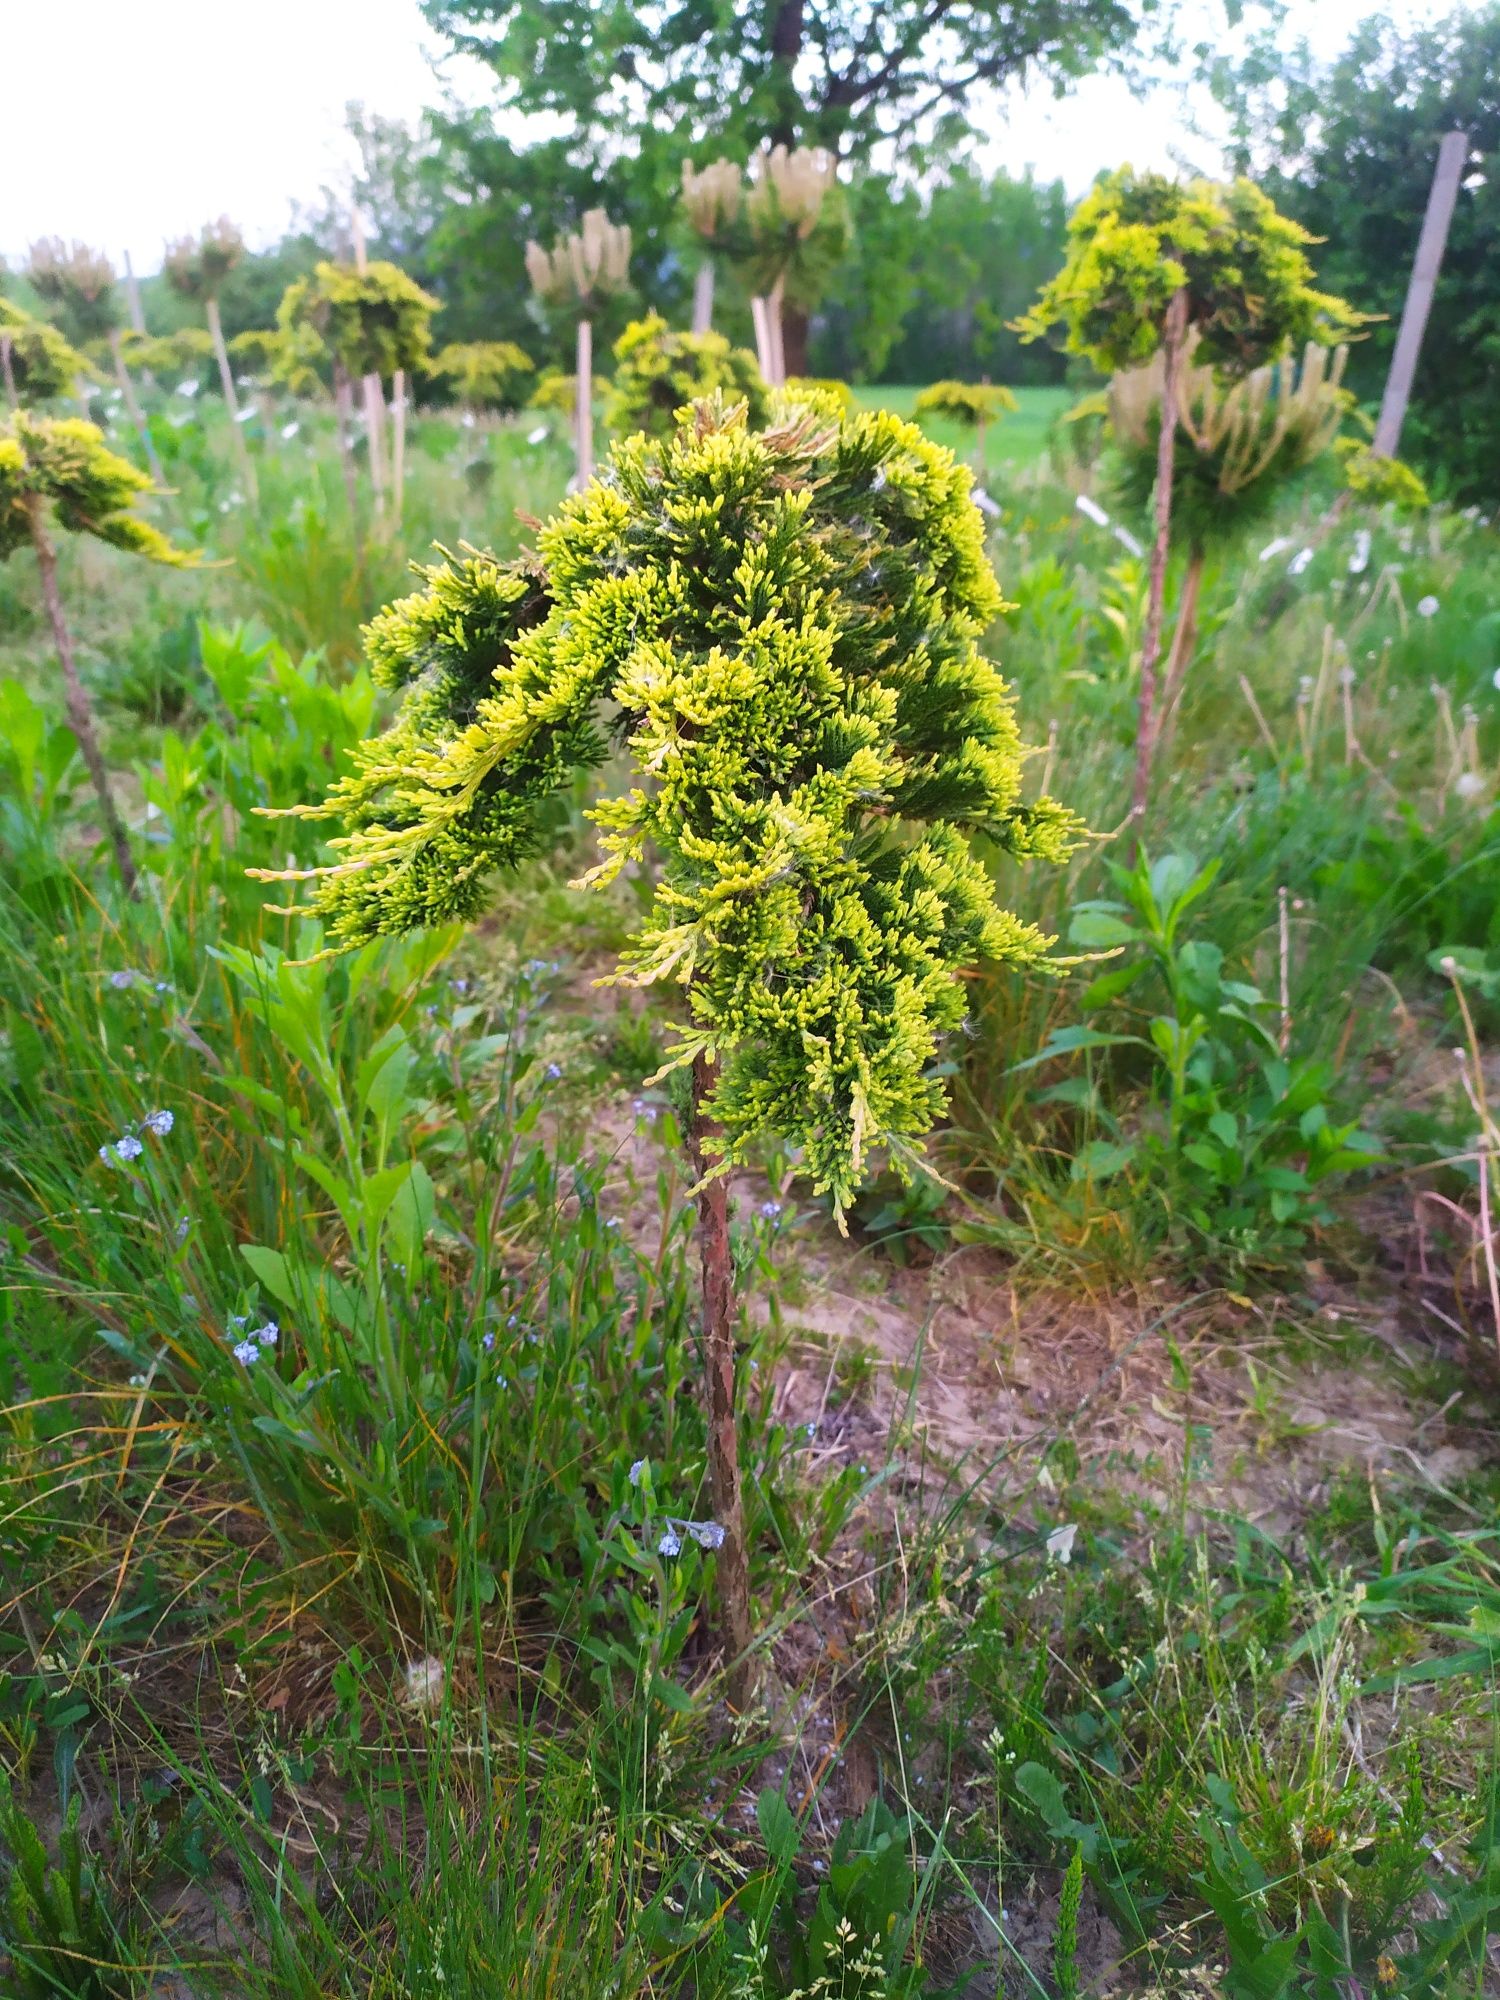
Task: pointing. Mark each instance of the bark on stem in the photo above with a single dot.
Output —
(1173, 336)
(80, 709)
(1184, 638)
(719, 1373)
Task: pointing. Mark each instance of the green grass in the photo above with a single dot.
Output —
(360, 1662)
(1018, 440)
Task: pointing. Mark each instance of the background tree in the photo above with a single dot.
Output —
(781, 628)
(1348, 148)
(1152, 266)
(196, 268)
(667, 80)
(579, 272)
(79, 284)
(62, 467)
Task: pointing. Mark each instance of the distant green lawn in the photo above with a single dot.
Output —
(1019, 439)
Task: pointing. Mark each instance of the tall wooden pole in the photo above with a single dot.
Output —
(1424, 272)
(703, 296)
(133, 297)
(583, 404)
(374, 395)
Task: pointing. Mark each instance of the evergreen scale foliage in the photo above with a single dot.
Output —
(374, 321)
(781, 626)
(658, 372)
(1138, 239)
(66, 461)
(967, 403)
(42, 365)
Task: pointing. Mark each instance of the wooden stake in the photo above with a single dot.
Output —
(762, 326)
(1424, 273)
(343, 405)
(398, 439)
(374, 395)
(703, 297)
(775, 321)
(127, 390)
(75, 694)
(231, 401)
(719, 1373)
(133, 297)
(583, 404)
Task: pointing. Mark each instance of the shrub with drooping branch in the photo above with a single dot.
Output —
(713, 201)
(797, 224)
(780, 628)
(62, 466)
(1152, 262)
(658, 372)
(1381, 481)
(1238, 445)
(580, 272)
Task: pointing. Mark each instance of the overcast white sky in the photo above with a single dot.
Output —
(175, 111)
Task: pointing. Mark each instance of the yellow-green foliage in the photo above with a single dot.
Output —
(658, 372)
(967, 403)
(556, 391)
(80, 282)
(180, 353)
(67, 462)
(486, 374)
(782, 628)
(1237, 444)
(1138, 239)
(291, 356)
(1381, 481)
(196, 266)
(42, 364)
(372, 321)
(805, 388)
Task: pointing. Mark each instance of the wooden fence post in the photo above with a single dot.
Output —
(1424, 271)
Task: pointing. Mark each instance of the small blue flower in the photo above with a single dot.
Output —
(553, 1071)
(158, 1123)
(670, 1543)
(246, 1353)
(707, 1534)
(770, 1210)
(129, 1147)
(267, 1335)
(612, 1222)
(638, 1471)
(123, 979)
(488, 1342)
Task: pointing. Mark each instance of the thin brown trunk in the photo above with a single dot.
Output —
(231, 401)
(127, 390)
(80, 709)
(8, 371)
(791, 341)
(342, 406)
(1184, 638)
(719, 1371)
(1173, 337)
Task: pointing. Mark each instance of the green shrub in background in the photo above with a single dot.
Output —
(659, 372)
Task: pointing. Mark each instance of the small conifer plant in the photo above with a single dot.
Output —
(1153, 263)
(780, 629)
(62, 467)
(658, 372)
(79, 284)
(485, 374)
(196, 268)
(371, 323)
(974, 405)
